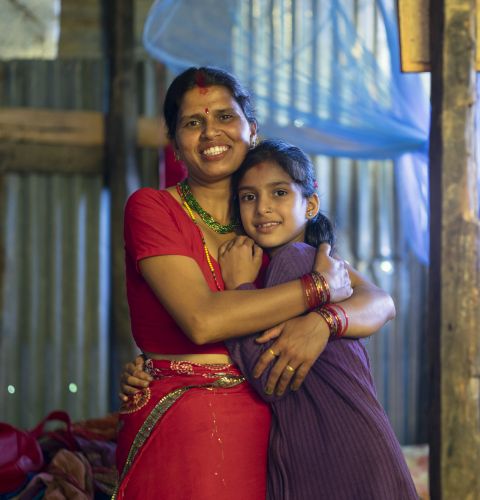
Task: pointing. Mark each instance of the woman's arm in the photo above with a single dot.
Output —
(299, 342)
(368, 308)
(207, 316)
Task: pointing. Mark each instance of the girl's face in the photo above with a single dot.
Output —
(212, 135)
(272, 207)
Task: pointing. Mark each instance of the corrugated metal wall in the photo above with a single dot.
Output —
(55, 318)
(54, 344)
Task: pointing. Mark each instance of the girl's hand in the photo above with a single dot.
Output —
(335, 272)
(133, 378)
(240, 260)
(301, 342)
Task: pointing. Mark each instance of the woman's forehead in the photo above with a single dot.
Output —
(196, 100)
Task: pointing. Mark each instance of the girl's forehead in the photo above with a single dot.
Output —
(265, 171)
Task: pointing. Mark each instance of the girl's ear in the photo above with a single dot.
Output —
(313, 206)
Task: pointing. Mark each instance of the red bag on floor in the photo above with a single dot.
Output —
(20, 453)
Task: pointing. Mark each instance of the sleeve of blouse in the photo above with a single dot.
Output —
(151, 227)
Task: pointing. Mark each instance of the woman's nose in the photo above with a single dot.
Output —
(210, 129)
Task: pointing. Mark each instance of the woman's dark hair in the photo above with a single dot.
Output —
(299, 167)
(204, 77)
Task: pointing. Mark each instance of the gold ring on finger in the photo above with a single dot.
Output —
(272, 352)
(290, 369)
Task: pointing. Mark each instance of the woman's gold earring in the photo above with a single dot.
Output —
(253, 141)
(176, 155)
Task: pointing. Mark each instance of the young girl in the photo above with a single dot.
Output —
(330, 438)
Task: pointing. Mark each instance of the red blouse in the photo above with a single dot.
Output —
(156, 224)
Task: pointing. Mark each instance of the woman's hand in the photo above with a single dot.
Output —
(133, 378)
(300, 342)
(240, 260)
(335, 272)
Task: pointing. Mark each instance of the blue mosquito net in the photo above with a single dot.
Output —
(325, 75)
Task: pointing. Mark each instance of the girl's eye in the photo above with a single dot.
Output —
(226, 116)
(281, 192)
(247, 197)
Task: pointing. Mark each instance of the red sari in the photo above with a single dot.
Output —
(198, 432)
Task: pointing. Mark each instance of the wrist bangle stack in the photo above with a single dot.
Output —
(336, 318)
(316, 290)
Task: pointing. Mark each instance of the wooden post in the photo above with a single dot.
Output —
(454, 297)
(122, 178)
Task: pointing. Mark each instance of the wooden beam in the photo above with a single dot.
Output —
(80, 128)
(50, 159)
(454, 296)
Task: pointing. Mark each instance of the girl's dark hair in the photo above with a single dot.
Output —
(205, 77)
(299, 167)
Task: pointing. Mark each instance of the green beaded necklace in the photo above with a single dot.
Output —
(204, 215)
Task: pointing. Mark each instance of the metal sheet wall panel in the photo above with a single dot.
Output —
(54, 336)
(54, 342)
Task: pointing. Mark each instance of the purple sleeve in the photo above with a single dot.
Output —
(289, 263)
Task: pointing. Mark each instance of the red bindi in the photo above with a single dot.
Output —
(207, 111)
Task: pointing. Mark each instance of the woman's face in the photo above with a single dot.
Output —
(213, 135)
(272, 207)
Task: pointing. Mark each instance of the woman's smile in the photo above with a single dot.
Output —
(213, 153)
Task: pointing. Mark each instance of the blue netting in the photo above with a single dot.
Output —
(319, 77)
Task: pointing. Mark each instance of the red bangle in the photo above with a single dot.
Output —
(313, 296)
(322, 288)
(329, 319)
(345, 315)
(342, 325)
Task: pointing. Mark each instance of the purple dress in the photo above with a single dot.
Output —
(331, 439)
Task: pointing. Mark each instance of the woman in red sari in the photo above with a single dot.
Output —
(199, 431)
